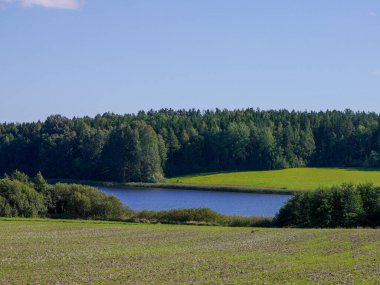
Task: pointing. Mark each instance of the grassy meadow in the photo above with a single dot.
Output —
(286, 179)
(61, 252)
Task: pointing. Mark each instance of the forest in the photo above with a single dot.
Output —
(148, 146)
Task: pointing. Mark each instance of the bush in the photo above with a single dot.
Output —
(371, 205)
(21, 197)
(340, 206)
(80, 201)
(200, 216)
(18, 199)
(179, 216)
(242, 221)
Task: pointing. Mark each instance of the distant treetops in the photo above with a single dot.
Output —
(148, 146)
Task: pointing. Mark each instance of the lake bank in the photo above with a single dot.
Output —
(182, 186)
(285, 181)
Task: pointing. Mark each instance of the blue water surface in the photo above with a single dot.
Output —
(229, 203)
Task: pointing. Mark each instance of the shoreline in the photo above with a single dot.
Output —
(179, 186)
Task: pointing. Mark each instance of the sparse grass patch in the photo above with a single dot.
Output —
(51, 251)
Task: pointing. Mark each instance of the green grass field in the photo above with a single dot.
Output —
(291, 179)
(62, 252)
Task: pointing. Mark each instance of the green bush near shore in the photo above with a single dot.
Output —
(179, 216)
(347, 206)
(19, 199)
(242, 221)
(23, 197)
(201, 216)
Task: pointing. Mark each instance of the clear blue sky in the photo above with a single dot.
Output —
(83, 58)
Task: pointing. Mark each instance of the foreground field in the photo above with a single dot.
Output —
(45, 251)
(291, 179)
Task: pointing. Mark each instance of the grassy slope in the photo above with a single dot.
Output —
(46, 251)
(293, 179)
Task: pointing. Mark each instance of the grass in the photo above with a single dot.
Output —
(287, 179)
(62, 252)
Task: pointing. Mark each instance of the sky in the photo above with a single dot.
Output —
(84, 57)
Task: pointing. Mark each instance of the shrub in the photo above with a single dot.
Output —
(179, 216)
(200, 216)
(340, 206)
(371, 204)
(80, 201)
(18, 199)
(242, 221)
(21, 197)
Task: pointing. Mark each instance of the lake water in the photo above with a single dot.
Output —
(229, 203)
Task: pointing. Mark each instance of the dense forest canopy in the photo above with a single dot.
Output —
(150, 145)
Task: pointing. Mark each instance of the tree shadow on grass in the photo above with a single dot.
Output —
(364, 169)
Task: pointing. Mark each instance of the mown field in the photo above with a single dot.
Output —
(62, 252)
(286, 179)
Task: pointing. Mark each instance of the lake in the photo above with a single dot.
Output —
(229, 203)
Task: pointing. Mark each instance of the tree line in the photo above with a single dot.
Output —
(147, 146)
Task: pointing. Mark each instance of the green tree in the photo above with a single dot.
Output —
(150, 160)
(40, 184)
